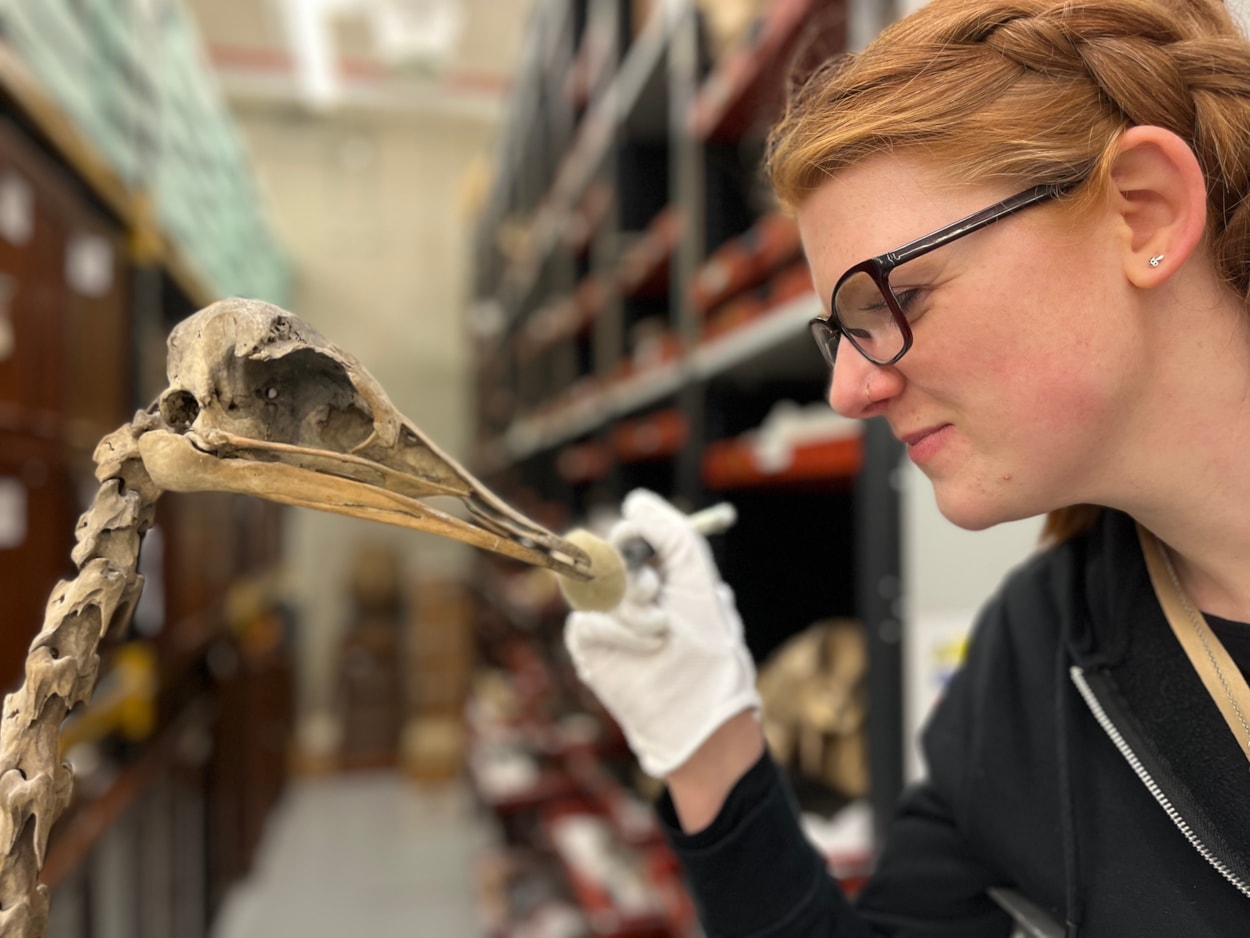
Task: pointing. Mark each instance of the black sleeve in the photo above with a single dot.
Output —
(928, 884)
(753, 872)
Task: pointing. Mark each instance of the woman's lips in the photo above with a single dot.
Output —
(923, 445)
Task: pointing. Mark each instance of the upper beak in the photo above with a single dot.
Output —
(260, 404)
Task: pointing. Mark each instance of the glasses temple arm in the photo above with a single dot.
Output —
(973, 222)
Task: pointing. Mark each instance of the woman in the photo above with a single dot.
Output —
(1052, 195)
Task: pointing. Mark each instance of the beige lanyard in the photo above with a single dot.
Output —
(1223, 679)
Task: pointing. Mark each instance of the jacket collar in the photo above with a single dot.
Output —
(1120, 633)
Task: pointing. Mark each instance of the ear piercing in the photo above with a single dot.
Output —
(1154, 261)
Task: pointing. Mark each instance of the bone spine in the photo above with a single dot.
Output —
(61, 670)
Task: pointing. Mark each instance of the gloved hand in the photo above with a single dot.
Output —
(669, 662)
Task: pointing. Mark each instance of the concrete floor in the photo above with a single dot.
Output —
(368, 854)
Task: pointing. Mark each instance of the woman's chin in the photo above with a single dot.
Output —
(976, 512)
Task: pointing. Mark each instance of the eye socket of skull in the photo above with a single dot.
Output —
(179, 409)
(303, 398)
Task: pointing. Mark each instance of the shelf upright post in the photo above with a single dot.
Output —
(688, 196)
(607, 330)
(560, 59)
(878, 588)
(561, 360)
(529, 181)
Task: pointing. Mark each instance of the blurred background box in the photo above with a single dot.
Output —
(441, 656)
(371, 674)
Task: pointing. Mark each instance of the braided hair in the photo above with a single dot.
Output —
(1035, 91)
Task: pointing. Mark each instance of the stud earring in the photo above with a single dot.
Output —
(1154, 261)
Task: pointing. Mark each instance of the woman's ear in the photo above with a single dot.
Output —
(1158, 190)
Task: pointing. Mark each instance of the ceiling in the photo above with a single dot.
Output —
(413, 55)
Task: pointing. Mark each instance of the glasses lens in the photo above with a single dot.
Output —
(826, 338)
(867, 319)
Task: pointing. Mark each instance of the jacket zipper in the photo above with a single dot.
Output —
(1095, 706)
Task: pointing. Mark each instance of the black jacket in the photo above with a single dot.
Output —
(1075, 759)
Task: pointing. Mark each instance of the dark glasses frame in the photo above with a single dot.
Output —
(827, 331)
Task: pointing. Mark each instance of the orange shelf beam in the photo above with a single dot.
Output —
(654, 436)
(735, 464)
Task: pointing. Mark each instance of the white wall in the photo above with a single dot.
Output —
(1241, 12)
(947, 573)
(372, 210)
(373, 200)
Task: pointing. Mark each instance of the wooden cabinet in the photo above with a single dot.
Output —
(64, 373)
(37, 516)
(64, 291)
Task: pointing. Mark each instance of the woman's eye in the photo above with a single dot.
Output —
(909, 301)
(856, 307)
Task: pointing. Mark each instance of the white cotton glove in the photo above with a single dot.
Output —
(669, 662)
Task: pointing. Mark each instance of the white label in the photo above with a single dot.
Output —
(8, 335)
(12, 513)
(89, 265)
(8, 338)
(17, 209)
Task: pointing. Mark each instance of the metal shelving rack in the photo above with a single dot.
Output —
(651, 151)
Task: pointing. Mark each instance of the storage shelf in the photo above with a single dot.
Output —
(560, 320)
(589, 411)
(583, 159)
(642, 271)
(730, 98)
(656, 436)
(644, 266)
(591, 62)
(745, 262)
(582, 224)
(764, 332)
(643, 68)
(654, 333)
(579, 463)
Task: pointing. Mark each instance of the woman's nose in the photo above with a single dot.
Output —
(859, 387)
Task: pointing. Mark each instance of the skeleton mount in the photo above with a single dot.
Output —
(258, 403)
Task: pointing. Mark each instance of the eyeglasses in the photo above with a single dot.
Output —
(864, 306)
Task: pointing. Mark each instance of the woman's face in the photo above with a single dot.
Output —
(1023, 370)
